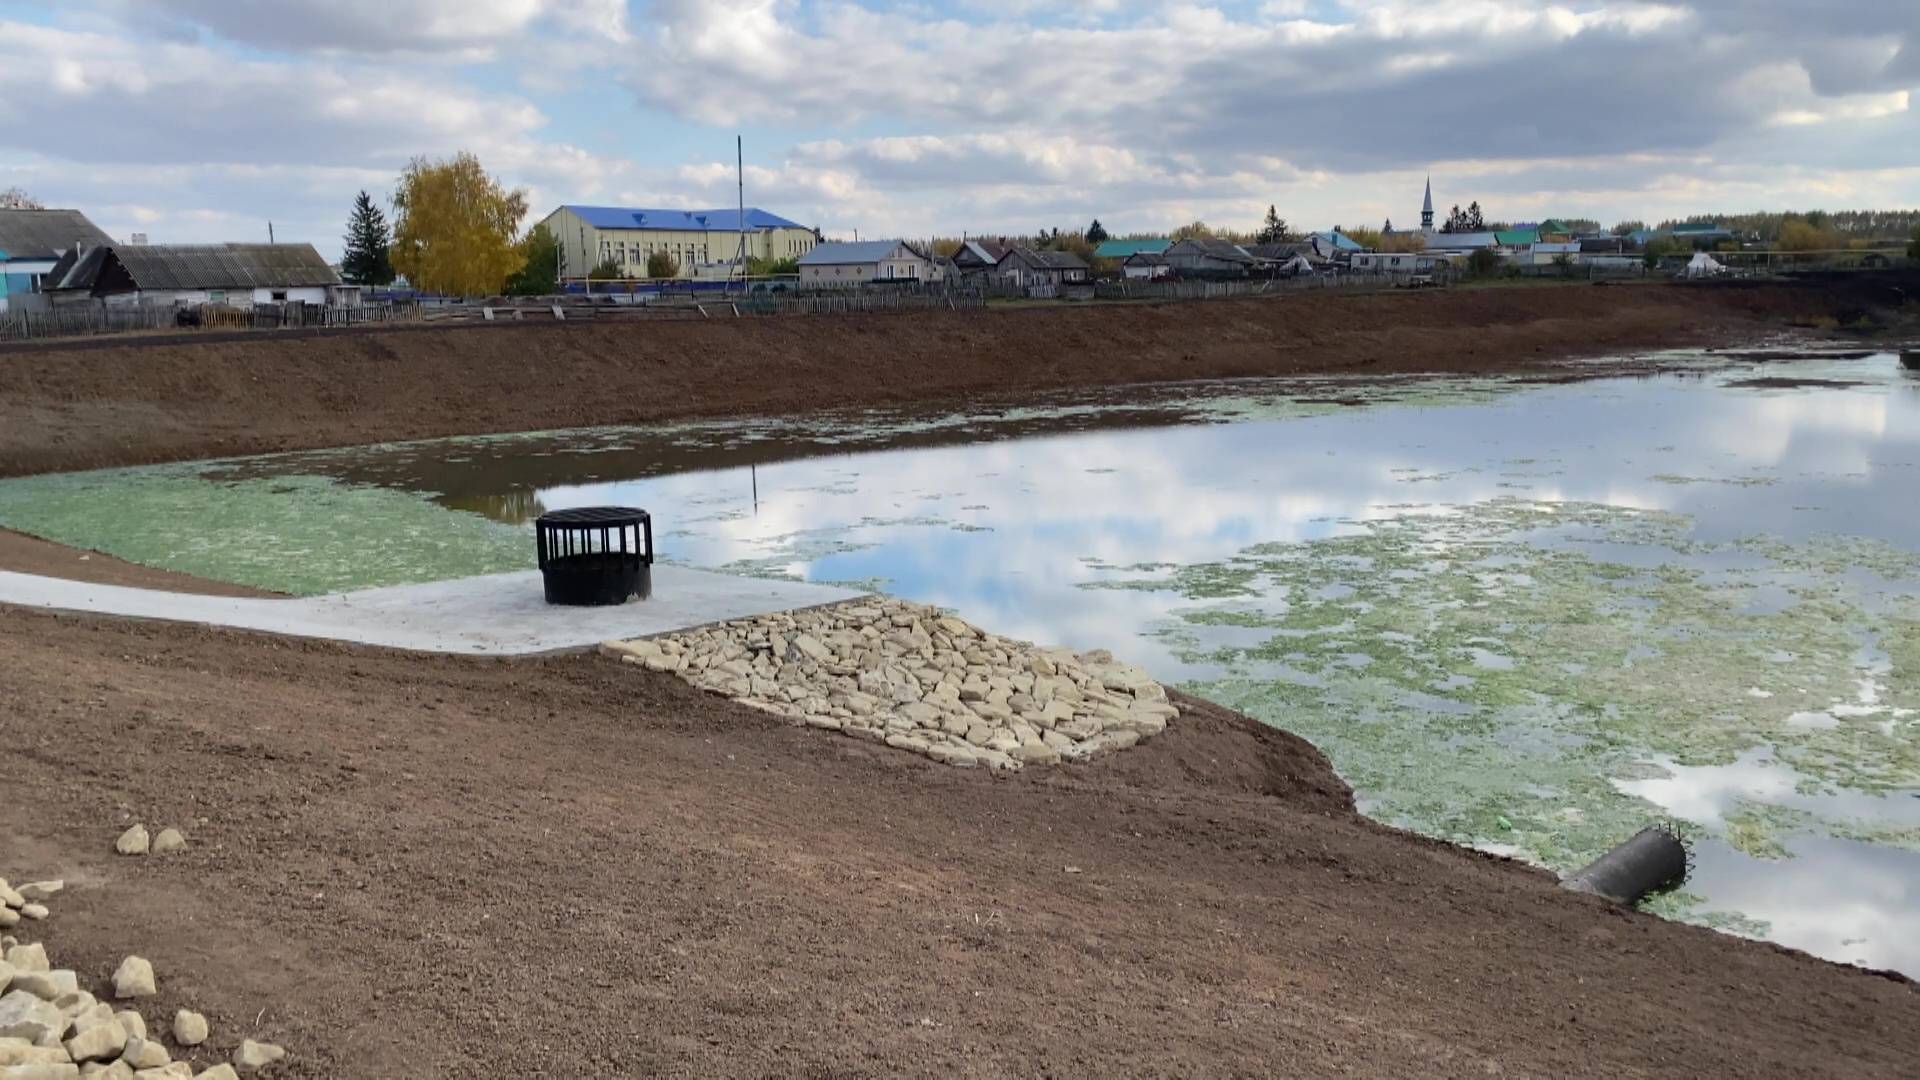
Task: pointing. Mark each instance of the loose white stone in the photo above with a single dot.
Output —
(133, 841)
(29, 1016)
(132, 1023)
(133, 978)
(6, 976)
(92, 1015)
(46, 985)
(168, 842)
(189, 1028)
(10, 897)
(21, 1052)
(34, 911)
(97, 1043)
(118, 1070)
(41, 890)
(28, 957)
(253, 1056)
(144, 1053)
(218, 1072)
(9, 918)
(178, 1070)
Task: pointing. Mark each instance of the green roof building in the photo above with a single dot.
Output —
(1120, 249)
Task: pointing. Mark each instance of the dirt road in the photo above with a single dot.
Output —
(407, 866)
(93, 404)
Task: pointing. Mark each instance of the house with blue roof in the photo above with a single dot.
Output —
(630, 235)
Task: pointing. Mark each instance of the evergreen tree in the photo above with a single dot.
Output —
(1095, 233)
(1273, 230)
(540, 276)
(368, 259)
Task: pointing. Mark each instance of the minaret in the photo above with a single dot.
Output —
(1426, 209)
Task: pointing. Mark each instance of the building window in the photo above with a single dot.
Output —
(279, 295)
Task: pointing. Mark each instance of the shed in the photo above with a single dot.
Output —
(1145, 266)
(196, 274)
(846, 265)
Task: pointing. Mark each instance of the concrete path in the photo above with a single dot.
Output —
(498, 615)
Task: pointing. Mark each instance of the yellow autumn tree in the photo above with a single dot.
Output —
(454, 227)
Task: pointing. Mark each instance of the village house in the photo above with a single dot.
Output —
(1145, 266)
(864, 262)
(1024, 267)
(31, 243)
(172, 274)
(1206, 256)
(976, 257)
(1396, 262)
(629, 236)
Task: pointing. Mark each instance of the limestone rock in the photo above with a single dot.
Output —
(92, 1015)
(34, 911)
(41, 1071)
(28, 957)
(46, 985)
(97, 1043)
(218, 1072)
(133, 978)
(189, 1028)
(132, 842)
(29, 1016)
(6, 976)
(253, 1056)
(74, 1001)
(132, 1023)
(118, 1070)
(178, 1070)
(9, 896)
(142, 1053)
(169, 841)
(9, 918)
(22, 1052)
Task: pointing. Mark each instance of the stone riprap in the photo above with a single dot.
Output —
(51, 1029)
(918, 679)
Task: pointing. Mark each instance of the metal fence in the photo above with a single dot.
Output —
(99, 317)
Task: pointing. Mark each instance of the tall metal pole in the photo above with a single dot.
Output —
(740, 175)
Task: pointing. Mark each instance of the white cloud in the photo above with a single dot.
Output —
(907, 117)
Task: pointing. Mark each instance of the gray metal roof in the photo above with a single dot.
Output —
(1050, 260)
(45, 234)
(849, 254)
(198, 266)
(1212, 247)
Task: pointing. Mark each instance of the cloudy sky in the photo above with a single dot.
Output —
(201, 120)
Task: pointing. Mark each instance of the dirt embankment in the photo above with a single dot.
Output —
(96, 404)
(411, 866)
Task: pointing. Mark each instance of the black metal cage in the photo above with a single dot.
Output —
(595, 555)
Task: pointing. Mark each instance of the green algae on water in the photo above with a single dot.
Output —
(304, 535)
(1522, 687)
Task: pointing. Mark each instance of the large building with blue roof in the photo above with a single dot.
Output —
(628, 235)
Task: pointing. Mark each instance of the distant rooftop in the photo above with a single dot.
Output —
(45, 234)
(635, 217)
(1120, 249)
(858, 252)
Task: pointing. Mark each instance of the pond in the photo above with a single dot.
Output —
(1528, 617)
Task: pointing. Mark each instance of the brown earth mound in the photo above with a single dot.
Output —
(412, 866)
(96, 403)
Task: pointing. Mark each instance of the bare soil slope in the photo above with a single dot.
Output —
(88, 404)
(408, 866)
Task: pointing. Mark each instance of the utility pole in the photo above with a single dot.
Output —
(740, 175)
(583, 257)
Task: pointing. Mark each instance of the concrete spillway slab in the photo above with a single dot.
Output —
(498, 615)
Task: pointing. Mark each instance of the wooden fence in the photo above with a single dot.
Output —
(99, 317)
